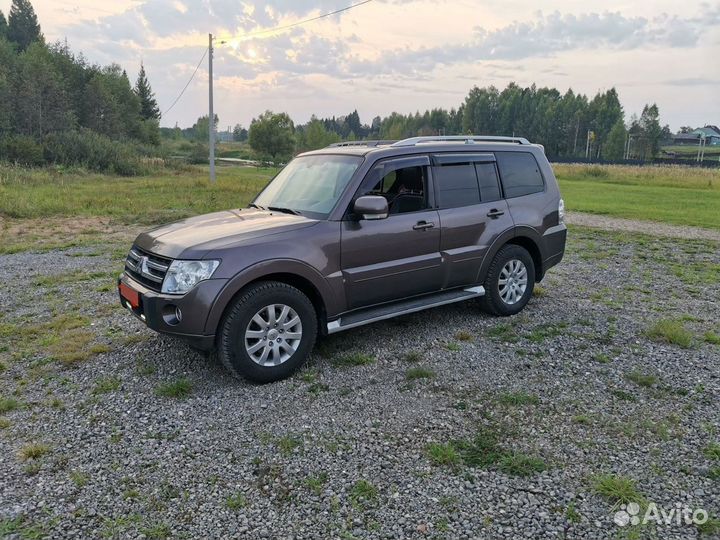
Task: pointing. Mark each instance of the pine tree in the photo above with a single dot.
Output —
(3, 25)
(148, 104)
(23, 27)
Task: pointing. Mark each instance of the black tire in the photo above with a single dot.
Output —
(492, 302)
(231, 350)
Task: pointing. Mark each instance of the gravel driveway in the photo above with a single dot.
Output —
(443, 424)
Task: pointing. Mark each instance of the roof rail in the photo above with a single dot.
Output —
(360, 143)
(467, 139)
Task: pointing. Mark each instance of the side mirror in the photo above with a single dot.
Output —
(371, 207)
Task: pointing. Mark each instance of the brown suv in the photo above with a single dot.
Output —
(349, 235)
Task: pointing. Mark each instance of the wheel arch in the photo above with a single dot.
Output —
(534, 250)
(524, 237)
(294, 274)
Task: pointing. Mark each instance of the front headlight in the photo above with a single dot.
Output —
(184, 275)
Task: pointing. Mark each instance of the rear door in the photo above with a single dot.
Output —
(399, 256)
(472, 213)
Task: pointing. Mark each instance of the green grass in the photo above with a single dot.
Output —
(673, 194)
(8, 404)
(670, 331)
(617, 489)
(711, 337)
(642, 379)
(518, 399)
(287, 444)
(180, 388)
(106, 385)
(352, 359)
(503, 332)
(156, 531)
(710, 527)
(363, 491)
(412, 357)
(316, 482)
(712, 451)
(416, 373)
(236, 501)
(33, 451)
(35, 193)
(443, 454)
(518, 464)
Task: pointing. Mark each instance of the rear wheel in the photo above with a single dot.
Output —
(268, 332)
(510, 281)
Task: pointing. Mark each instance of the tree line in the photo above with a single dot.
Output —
(569, 125)
(56, 107)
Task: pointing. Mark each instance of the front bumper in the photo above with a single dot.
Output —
(184, 316)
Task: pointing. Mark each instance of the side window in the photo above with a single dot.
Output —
(456, 185)
(488, 181)
(404, 188)
(520, 173)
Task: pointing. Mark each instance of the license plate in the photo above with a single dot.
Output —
(131, 295)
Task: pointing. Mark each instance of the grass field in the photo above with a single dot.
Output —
(690, 151)
(672, 194)
(57, 208)
(146, 199)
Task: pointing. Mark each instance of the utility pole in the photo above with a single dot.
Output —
(211, 114)
(587, 145)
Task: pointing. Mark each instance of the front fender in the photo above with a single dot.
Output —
(264, 269)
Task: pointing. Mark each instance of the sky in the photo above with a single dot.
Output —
(399, 55)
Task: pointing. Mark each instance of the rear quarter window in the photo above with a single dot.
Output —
(520, 173)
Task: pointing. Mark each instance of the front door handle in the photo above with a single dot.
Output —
(422, 225)
(495, 213)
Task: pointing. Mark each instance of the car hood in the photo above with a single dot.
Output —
(196, 237)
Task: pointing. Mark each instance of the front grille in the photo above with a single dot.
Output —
(147, 268)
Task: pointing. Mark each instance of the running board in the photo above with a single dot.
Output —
(403, 307)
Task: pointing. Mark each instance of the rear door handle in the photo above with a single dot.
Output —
(422, 225)
(494, 213)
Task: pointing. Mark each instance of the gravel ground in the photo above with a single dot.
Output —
(667, 230)
(571, 389)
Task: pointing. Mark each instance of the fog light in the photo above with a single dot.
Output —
(171, 314)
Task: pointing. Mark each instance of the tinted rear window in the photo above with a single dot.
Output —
(456, 185)
(520, 173)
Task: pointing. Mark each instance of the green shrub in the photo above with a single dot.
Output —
(94, 151)
(21, 149)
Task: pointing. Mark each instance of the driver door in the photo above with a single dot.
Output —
(399, 256)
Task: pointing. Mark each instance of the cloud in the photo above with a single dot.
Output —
(383, 47)
(548, 36)
(693, 81)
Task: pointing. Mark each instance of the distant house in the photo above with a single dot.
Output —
(711, 133)
(686, 138)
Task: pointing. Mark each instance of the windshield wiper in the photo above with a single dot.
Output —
(253, 205)
(284, 210)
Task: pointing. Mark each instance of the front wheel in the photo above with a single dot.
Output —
(268, 332)
(510, 281)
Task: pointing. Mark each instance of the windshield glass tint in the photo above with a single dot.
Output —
(310, 185)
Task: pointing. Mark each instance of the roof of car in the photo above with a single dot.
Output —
(469, 143)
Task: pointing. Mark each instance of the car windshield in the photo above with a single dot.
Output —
(309, 185)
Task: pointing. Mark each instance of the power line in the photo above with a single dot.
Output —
(305, 21)
(261, 32)
(187, 84)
